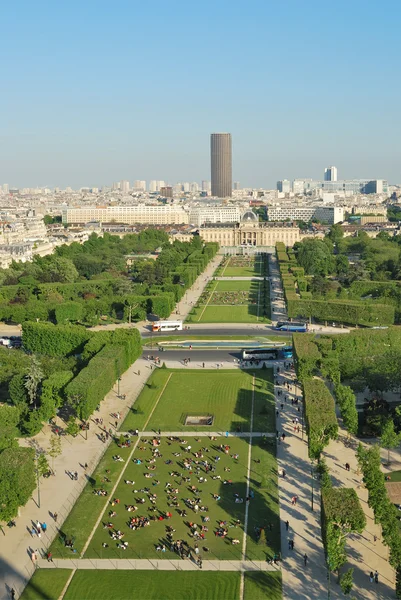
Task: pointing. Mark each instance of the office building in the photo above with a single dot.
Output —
(160, 214)
(284, 186)
(324, 214)
(221, 164)
(206, 186)
(330, 174)
(237, 185)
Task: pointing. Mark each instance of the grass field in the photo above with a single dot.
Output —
(226, 395)
(229, 314)
(143, 541)
(46, 584)
(262, 586)
(254, 269)
(86, 510)
(153, 585)
(233, 286)
(226, 301)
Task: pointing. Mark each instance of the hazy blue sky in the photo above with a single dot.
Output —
(94, 92)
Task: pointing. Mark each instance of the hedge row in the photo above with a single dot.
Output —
(320, 416)
(96, 380)
(54, 340)
(351, 312)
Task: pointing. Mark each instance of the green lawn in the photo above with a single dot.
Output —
(86, 510)
(229, 314)
(143, 541)
(46, 584)
(395, 476)
(233, 286)
(253, 270)
(224, 394)
(261, 585)
(264, 507)
(154, 585)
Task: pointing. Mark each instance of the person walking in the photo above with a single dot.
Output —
(376, 577)
(55, 517)
(371, 577)
(49, 557)
(287, 524)
(305, 559)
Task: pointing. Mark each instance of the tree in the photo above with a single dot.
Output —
(342, 514)
(347, 402)
(17, 480)
(72, 427)
(346, 581)
(389, 438)
(42, 464)
(33, 379)
(9, 419)
(336, 233)
(314, 256)
(18, 392)
(54, 448)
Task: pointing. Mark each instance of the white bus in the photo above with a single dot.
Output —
(167, 326)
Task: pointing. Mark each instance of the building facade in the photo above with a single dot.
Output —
(284, 186)
(250, 234)
(325, 214)
(141, 213)
(199, 215)
(221, 164)
(330, 174)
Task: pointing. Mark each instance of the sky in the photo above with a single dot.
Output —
(95, 92)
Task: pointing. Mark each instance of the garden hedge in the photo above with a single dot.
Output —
(320, 416)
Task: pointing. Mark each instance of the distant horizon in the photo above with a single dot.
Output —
(96, 93)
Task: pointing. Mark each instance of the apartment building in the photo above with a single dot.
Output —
(140, 213)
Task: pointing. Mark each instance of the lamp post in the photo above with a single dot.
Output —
(312, 482)
(37, 475)
(118, 387)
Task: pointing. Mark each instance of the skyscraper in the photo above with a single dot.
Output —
(221, 164)
(330, 174)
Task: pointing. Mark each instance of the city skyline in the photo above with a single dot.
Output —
(69, 120)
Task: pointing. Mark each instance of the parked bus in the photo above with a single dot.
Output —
(286, 352)
(291, 326)
(267, 353)
(167, 326)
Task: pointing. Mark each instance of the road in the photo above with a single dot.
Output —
(197, 356)
(215, 330)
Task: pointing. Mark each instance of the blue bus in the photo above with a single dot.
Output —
(291, 326)
(267, 353)
(286, 352)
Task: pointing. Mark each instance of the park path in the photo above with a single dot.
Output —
(153, 564)
(363, 552)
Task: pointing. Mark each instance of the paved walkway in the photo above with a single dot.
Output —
(159, 565)
(363, 552)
